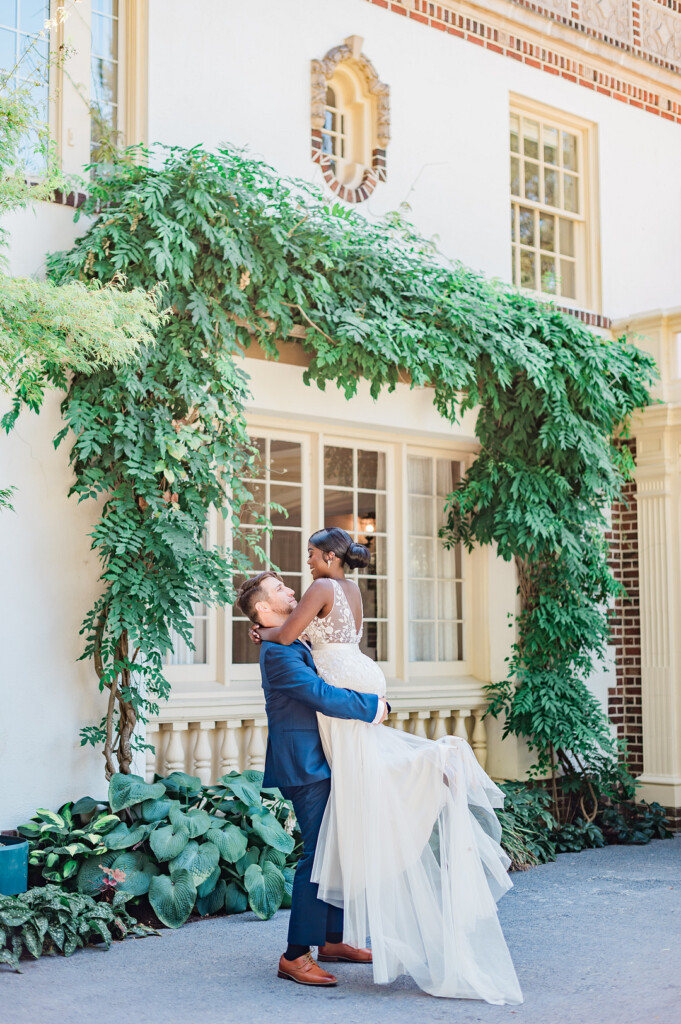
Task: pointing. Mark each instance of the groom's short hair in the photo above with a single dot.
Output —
(250, 592)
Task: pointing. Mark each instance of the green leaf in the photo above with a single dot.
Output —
(139, 871)
(123, 836)
(214, 901)
(195, 821)
(242, 788)
(199, 859)
(105, 823)
(172, 898)
(90, 878)
(268, 828)
(230, 841)
(86, 805)
(289, 875)
(206, 888)
(266, 887)
(156, 810)
(127, 790)
(169, 841)
(180, 782)
(236, 901)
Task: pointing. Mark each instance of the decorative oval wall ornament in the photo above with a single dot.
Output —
(350, 119)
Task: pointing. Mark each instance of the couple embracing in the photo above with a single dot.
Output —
(400, 838)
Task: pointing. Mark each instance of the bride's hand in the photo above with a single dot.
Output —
(254, 635)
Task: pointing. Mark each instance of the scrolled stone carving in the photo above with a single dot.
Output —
(661, 32)
(611, 17)
(323, 70)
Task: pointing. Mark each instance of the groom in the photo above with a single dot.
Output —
(295, 763)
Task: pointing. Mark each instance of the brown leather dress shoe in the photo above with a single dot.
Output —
(335, 951)
(305, 971)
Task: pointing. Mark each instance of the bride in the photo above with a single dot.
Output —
(409, 843)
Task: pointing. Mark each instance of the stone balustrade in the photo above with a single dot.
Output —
(187, 739)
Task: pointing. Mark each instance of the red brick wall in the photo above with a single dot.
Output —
(624, 699)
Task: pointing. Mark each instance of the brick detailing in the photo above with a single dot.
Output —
(512, 44)
(369, 181)
(624, 699)
(592, 319)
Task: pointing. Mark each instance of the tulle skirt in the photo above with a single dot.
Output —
(409, 848)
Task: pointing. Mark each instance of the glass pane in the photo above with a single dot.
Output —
(8, 13)
(338, 466)
(569, 151)
(459, 605)
(570, 193)
(379, 560)
(421, 641)
(370, 470)
(515, 176)
(531, 139)
(514, 265)
(241, 543)
(243, 651)
(371, 512)
(531, 180)
(550, 187)
(374, 597)
(550, 136)
(459, 641)
(290, 498)
(548, 274)
(527, 275)
(547, 231)
(285, 461)
(285, 550)
(338, 510)
(447, 600)
(421, 516)
(32, 15)
(420, 476)
(105, 6)
(449, 473)
(446, 647)
(200, 654)
(446, 561)
(104, 85)
(374, 642)
(330, 97)
(515, 131)
(421, 600)
(104, 37)
(256, 505)
(567, 279)
(8, 49)
(327, 142)
(526, 222)
(442, 512)
(421, 558)
(567, 238)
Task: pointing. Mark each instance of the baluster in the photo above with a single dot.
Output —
(418, 723)
(202, 755)
(440, 725)
(402, 721)
(479, 737)
(460, 724)
(151, 755)
(174, 754)
(256, 744)
(229, 748)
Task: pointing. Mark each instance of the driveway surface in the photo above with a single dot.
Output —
(596, 939)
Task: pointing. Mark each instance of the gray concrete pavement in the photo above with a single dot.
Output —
(596, 939)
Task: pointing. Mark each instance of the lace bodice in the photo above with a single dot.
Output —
(338, 627)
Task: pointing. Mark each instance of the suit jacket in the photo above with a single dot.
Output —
(294, 693)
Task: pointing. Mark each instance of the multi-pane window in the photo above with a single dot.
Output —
(355, 495)
(103, 77)
(547, 206)
(277, 482)
(24, 57)
(333, 132)
(435, 573)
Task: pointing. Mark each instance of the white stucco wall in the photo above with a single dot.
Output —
(448, 157)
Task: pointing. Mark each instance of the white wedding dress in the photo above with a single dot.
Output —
(409, 844)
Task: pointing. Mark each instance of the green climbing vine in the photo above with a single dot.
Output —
(248, 255)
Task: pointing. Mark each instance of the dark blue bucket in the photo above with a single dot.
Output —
(13, 865)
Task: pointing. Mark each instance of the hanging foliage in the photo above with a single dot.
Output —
(246, 254)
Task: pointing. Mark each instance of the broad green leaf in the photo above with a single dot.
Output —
(180, 782)
(289, 874)
(268, 828)
(196, 822)
(207, 887)
(127, 790)
(236, 901)
(266, 887)
(172, 898)
(242, 788)
(90, 877)
(230, 841)
(199, 859)
(214, 901)
(168, 841)
(139, 871)
(123, 836)
(156, 810)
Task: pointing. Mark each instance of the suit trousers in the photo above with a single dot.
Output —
(311, 918)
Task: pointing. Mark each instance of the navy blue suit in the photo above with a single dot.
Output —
(295, 763)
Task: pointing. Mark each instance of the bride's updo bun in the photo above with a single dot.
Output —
(354, 556)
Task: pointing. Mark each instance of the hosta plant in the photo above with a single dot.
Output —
(49, 920)
(59, 840)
